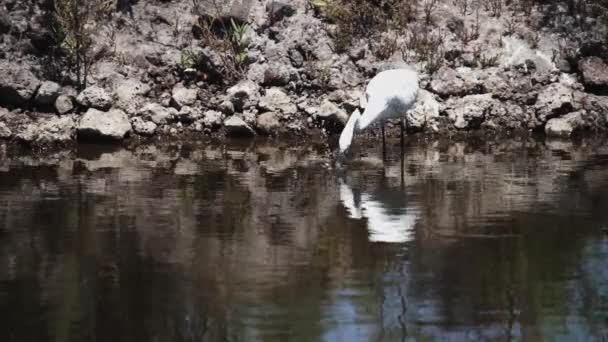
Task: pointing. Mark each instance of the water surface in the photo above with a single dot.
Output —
(265, 242)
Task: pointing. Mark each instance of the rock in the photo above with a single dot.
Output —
(424, 111)
(236, 127)
(5, 132)
(227, 107)
(98, 125)
(142, 127)
(47, 93)
(469, 112)
(277, 10)
(267, 123)
(94, 97)
(276, 100)
(296, 58)
(563, 127)
(276, 75)
(212, 119)
(130, 95)
(188, 114)
(18, 84)
(505, 115)
(183, 96)
(329, 111)
(64, 104)
(595, 75)
(156, 113)
(241, 93)
(553, 100)
(48, 129)
(448, 82)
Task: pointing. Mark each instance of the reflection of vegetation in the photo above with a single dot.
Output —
(151, 254)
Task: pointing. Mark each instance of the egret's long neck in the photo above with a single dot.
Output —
(348, 133)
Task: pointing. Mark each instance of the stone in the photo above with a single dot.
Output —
(277, 100)
(448, 82)
(469, 112)
(94, 97)
(188, 114)
(236, 127)
(296, 58)
(130, 95)
(64, 104)
(212, 119)
(182, 96)
(47, 93)
(423, 112)
(277, 10)
(329, 111)
(276, 75)
(267, 123)
(18, 84)
(564, 126)
(505, 115)
(156, 113)
(595, 75)
(241, 93)
(554, 100)
(5, 132)
(48, 129)
(98, 125)
(143, 127)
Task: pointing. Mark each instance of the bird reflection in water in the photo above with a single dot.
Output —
(388, 218)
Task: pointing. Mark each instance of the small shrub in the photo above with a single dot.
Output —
(74, 23)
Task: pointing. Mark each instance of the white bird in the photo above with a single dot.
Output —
(390, 94)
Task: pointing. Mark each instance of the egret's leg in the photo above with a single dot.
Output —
(383, 140)
(402, 125)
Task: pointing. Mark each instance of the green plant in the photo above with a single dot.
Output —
(324, 76)
(74, 22)
(239, 42)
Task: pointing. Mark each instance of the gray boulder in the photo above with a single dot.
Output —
(94, 97)
(5, 132)
(48, 129)
(564, 126)
(278, 74)
(236, 127)
(47, 93)
(241, 93)
(424, 112)
(130, 95)
(188, 114)
(553, 100)
(595, 75)
(182, 96)
(18, 84)
(98, 125)
(469, 112)
(277, 100)
(64, 104)
(156, 113)
(267, 123)
(331, 112)
(212, 119)
(448, 82)
(142, 127)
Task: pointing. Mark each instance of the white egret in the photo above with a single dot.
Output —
(390, 94)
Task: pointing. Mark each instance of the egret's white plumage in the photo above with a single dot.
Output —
(390, 94)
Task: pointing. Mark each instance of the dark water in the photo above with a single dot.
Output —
(262, 242)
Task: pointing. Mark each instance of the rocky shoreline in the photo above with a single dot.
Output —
(295, 85)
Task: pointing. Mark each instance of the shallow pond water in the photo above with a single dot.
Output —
(270, 242)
